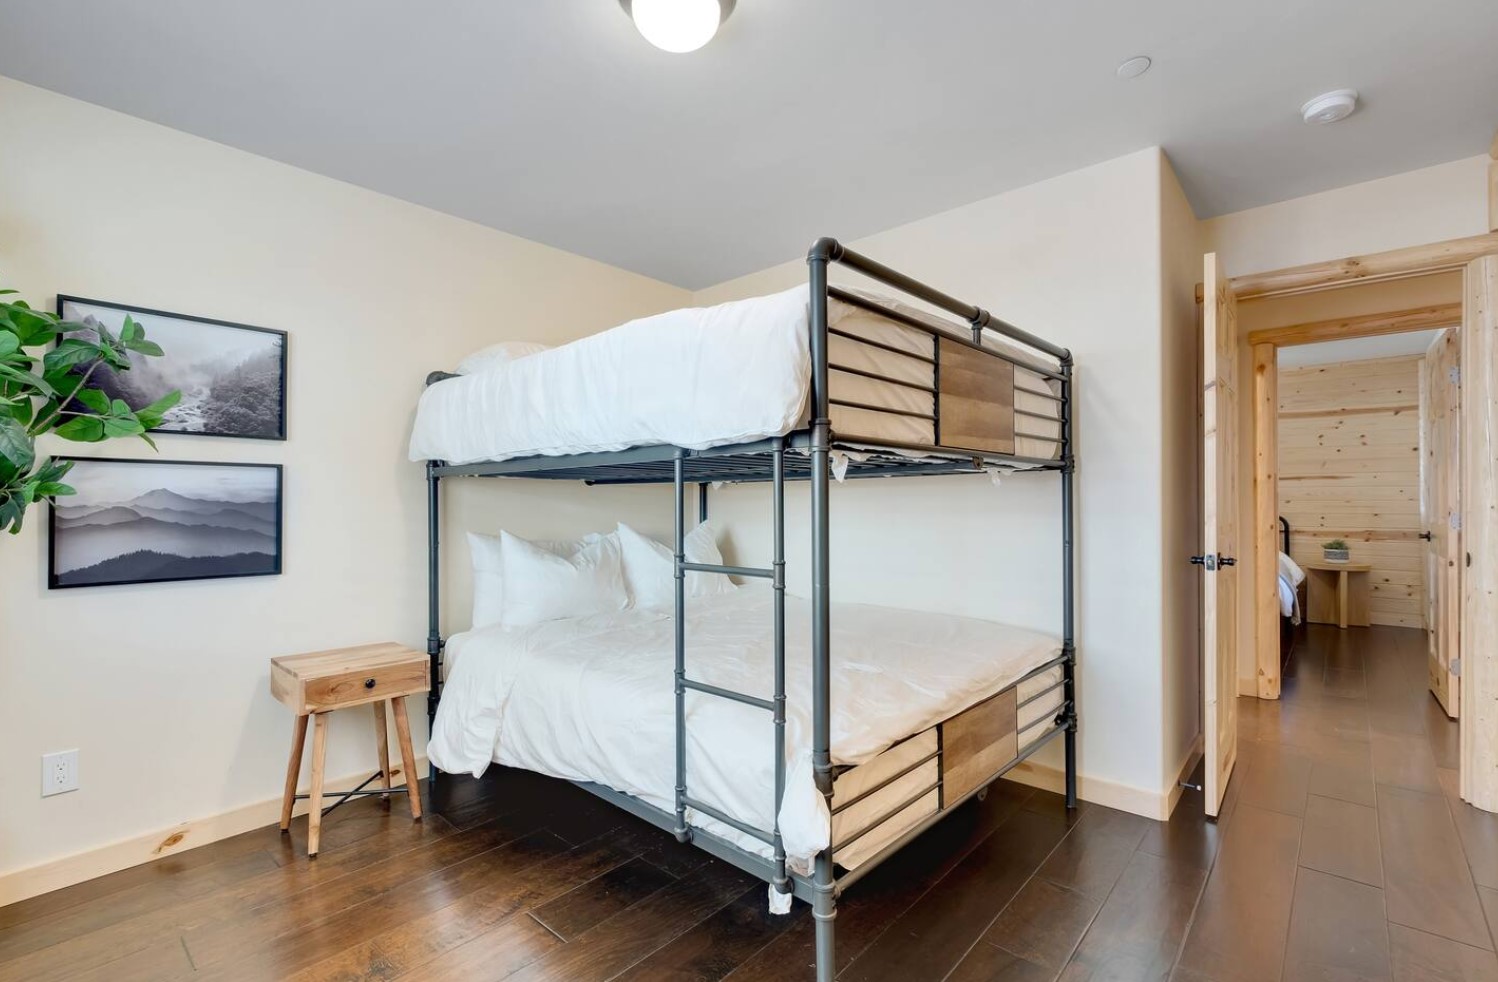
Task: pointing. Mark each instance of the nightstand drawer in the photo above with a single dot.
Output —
(324, 680)
(353, 688)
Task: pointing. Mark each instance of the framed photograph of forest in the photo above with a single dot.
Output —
(232, 376)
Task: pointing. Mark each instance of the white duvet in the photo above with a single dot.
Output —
(704, 377)
(692, 378)
(591, 699)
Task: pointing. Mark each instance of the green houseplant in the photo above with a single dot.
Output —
(54, 390)
(1335, 551)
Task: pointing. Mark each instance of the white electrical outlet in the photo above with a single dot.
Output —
(59, 772)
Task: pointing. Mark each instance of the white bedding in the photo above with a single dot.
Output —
(591, 699)
(695, 378)
(1290, 576)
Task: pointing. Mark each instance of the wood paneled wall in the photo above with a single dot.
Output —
(1349, 437)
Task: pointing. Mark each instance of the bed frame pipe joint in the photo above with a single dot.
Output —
(826, 250)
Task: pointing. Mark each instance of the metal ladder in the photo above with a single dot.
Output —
(775, 705)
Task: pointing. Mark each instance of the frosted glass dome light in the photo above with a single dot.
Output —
(678, 26)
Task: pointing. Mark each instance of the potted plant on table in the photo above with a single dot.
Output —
(54, 391)
(1335, 551)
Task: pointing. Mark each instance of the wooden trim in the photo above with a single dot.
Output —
(1266, 520)
(1363, 326)
(1479, 628)
(1395, 264)
(1493, 185)
(54, 874)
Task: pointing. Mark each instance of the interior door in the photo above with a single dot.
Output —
(1219, 561)
(1441, 489)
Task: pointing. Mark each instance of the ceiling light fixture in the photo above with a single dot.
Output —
(1134, 67)
(1330, 107)
(678, 26)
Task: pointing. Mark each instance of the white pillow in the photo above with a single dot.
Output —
(540, 585)
(487, 359)
(650, 569)
(486, 553)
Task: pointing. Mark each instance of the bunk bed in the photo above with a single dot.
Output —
(875, 388)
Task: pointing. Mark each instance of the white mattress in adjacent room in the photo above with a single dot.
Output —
(699, 378)
(591, 699)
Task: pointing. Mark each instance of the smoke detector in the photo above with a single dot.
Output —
(1330, 107)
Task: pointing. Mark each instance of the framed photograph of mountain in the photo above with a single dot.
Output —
(232, 376)
(146, 521)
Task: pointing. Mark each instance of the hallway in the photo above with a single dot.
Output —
(1345, 850)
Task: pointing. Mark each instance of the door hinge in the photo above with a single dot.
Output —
(1455, 668)
(1454, 374)
(1454, 519)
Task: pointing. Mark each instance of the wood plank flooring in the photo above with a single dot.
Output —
(1342, 853)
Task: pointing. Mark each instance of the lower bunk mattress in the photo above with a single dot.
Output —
(591, 699)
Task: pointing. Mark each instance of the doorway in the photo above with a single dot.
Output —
(1445, 287)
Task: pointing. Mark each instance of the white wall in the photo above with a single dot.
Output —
(163, 688)
(1075, 259)
(1446, 201)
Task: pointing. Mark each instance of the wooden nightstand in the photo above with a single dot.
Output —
(1338, 593)
(319, 682)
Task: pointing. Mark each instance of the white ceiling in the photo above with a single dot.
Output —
(1356, 349)
(556, 121)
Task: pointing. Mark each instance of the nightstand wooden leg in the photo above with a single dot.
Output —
(408, 756)
(382, 741)
(1342, 599)
(293, 770)
(314, 810)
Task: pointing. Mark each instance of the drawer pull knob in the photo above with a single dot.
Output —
(369, 683)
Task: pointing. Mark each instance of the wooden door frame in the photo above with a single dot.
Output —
(1265, 345)
(1439, 257)
(1395, 264)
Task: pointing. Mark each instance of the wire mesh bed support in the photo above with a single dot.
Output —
(806, 455)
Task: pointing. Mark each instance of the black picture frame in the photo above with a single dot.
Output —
(60, 579)
(279, 430)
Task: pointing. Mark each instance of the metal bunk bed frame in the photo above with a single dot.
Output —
(805, 455)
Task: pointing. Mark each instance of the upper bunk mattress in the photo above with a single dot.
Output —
(704, 377)
(592, 699)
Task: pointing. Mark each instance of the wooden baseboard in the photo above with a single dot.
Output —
(1139, 801)
(55, 874)
(1121, 796)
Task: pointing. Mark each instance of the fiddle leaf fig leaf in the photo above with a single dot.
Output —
(94, 399)
(70, 353)
(16, 445)
(82, 429)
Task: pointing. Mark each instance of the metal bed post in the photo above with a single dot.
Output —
(824, 900)
(1068, 547)
(434, 619)
(701, 502)
(781, 883)
(679, 473)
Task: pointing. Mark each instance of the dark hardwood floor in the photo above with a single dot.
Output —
(1342, 854)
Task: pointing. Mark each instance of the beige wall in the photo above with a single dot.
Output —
(1446, 201)
(163, 688)
(1075, 259)
(1181, 268)
(1349, 468)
